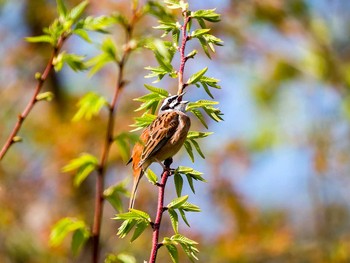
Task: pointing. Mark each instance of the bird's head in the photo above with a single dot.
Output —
(173, 103)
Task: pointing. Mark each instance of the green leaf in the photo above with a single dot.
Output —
(126, 227)
(162, 92)
(178, 181)
(61, 8)
(82, 34)
(174, 220)
(69, 225)
(188, 207)
(187, 244)
(177, 202)
(143, 121)
(196, 146)
(190, 182)
(79, 238)
(199, 32)
(48, 96)
(151, 176)
(190, 172)
(200, 117)
(83, 165)
(124, 141)
(89, 106)
(174, 255)
(40, 39)
(197, 76)
(208, 15)
(120, 258)
(140, 227)
(78, 10)
(113, 195)
(183, 215)
(189, 150)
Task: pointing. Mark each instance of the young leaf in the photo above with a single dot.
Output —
(70, 225)
(113, 195)
(61, 8)
(40, 39)
(151, 176)
(78, 10)
(140, 227)
(174, 220)
(89, 106)
(123, 141)
(178, 181)
(83, 165)
(208, 15)
(177, 202)
(197, 76)
(189, 150)
(143, 121)
(174, 255)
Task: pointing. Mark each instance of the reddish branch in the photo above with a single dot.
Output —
(183, 58)
(166, 173)
(96, 228)
(160, 211)
(10, 140)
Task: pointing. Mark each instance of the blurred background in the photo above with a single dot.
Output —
(277, 167)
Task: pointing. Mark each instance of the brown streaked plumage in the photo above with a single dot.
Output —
(162, 139)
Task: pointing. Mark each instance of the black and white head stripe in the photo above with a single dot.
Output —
(169, 103)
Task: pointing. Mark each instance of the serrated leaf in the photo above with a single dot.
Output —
(82, 34)
(140, 227)
(190, 182)
(200, 117)
(196, 146)
(174, 219)
(198, 135)
(174, 255)
(126, 227)
(188, 207)
(89, 106)
(159, 91)
(151, 176)
(177, 202)
(189, 150)
(183, 216)
(178, 181)
(143, 121)
(199, 32)
(208, 15)
(197, 76)
(78, 10)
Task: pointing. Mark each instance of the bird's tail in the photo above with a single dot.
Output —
(134, 189)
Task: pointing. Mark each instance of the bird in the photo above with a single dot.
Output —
(161, 140)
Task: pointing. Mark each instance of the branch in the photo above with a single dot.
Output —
(96, 229)
(11, 139)
(160, 210)
(183, 58)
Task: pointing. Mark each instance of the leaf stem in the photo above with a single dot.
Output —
(33, 100)
(160, 210)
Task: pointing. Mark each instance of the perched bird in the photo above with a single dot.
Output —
(161, 140)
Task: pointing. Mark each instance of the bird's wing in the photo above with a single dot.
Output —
(161, 131)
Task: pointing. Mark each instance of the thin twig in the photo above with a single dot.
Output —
(96, 228)
(10, 140)
(160, 210)
(183, 58)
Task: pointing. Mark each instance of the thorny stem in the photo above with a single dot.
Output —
(96, 228)
(160, 209)
(33, 100)
(183, 58)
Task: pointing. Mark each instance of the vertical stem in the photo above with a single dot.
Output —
(99, 199)
(160, 210)
(33, 100)
(183, 58)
